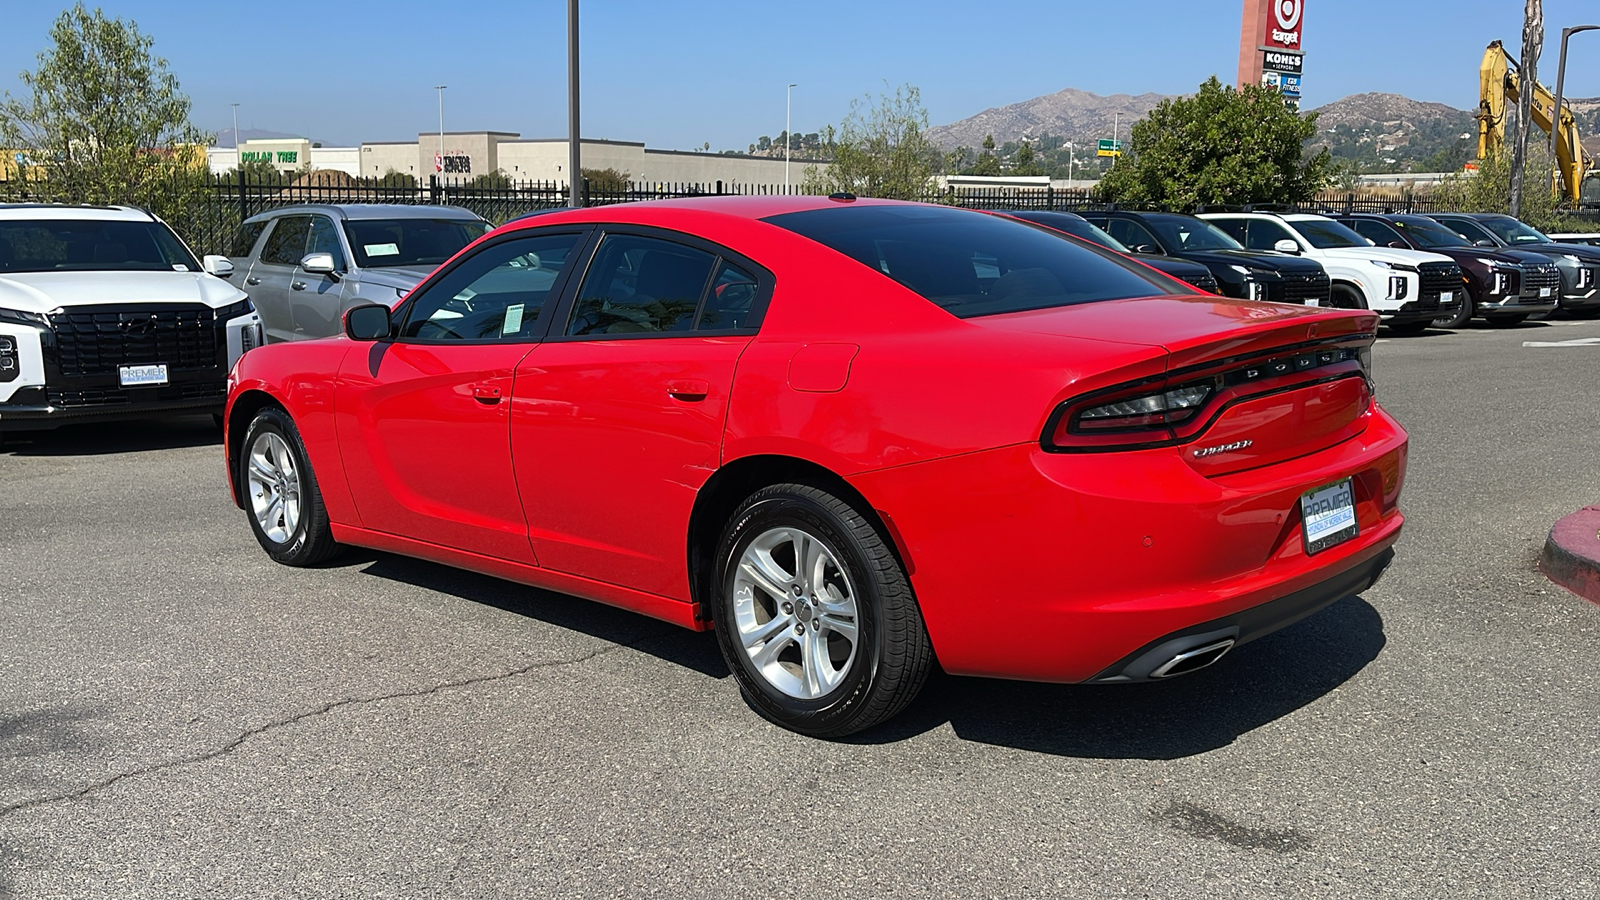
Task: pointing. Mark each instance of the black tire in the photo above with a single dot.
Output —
(891, 656)
(1461, 317)
(1410, 328)
(310, 540)
(1507, 321)
(1343, 296)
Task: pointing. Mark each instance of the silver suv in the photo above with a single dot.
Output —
(304, 266)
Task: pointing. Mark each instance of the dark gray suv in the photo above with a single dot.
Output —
(304, 266)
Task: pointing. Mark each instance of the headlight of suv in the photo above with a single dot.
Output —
(10, 367)
(18, 317)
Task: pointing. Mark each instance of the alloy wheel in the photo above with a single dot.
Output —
(274, 487)
(795, 612)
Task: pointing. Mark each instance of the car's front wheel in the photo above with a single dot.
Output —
(281, 495)
(815, 615)
(1459, 318)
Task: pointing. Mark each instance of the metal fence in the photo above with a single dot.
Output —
(206, 210)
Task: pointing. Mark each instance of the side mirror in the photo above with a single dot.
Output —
(1483, 242)
(1398, 245)
(319, 264)
(368, 322)
(220, 266)
(1287, 246)
(1149, 248)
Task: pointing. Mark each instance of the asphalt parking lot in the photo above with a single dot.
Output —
(180, 717)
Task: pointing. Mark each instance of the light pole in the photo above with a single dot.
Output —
(238, 157)
(1561, 78)
(788, 96)
(1116, 126)
(1071, 154)
(574, 161)
(440, 164)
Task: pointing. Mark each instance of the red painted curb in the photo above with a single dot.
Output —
(1571, 556)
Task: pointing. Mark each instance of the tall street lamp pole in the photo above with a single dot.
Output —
(788, 97)
(439, 166)
(1561, 78)
(1071, 152)
(574, 161)
(238, 158)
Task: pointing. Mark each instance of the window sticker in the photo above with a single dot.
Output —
(513, 319)
(382, 249)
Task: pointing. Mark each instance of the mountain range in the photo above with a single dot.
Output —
(1378, 131)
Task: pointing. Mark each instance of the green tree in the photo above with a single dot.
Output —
(1489, 190)
(1220, 146)
(497, 180)
(105, 120)
(609, 180)
(256, 171)
(395, 179)
(986, 163)
(881, 149)
(1023, 162)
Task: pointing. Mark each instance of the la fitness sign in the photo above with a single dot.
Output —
(1282, 26)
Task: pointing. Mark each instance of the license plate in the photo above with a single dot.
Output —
(1545, 292)
(139, 376)
(1329, 515)
(1447, 297)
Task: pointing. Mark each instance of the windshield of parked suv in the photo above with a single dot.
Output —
(1326, 234)
(1074, 225)
(973, 264)
(1471, 230)
(91, 245)
(381, 243)
(1189, 233)
(1429, 234)
(1512, 231)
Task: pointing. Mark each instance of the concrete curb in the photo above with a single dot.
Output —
(1571, 556)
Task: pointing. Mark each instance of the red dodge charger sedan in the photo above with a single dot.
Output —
(852, 436)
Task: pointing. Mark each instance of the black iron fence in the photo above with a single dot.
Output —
(206, 210)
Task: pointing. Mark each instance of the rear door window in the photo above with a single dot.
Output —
(973, 264)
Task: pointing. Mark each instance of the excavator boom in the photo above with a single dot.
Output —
(1500, 87)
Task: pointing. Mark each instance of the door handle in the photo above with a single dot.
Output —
(487, 394)
(298, 286)
(691, 390)
(252, 280)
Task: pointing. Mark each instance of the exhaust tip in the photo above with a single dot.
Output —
(1193, 660)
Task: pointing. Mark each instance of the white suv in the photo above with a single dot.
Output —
(1408, 288)
(104, 313)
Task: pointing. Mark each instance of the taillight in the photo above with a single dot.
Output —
(1175, 410)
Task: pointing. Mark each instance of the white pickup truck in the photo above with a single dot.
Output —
(1408, 288)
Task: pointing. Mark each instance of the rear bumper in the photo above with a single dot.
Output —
(1057, 567)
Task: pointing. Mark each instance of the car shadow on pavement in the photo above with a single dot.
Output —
(99, 438)
(692, 650)
(1251, 687)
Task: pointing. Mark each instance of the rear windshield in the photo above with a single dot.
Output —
(380, 243)
(91, 245)
(974, 264)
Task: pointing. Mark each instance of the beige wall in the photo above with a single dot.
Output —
(376, 159)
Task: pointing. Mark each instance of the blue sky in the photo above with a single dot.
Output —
(676, 74)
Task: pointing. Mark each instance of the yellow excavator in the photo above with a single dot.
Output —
(1499, 87)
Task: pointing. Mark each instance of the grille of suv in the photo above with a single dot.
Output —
(95, 340)
(196, 392)
(1205, 282)
(1537, 277)
(1302, 289)
(1438, 278)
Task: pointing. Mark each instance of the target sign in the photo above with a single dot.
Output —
(1283, 24)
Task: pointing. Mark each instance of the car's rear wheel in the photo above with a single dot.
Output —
(280, 491)
(815, 615)
(1507, 321)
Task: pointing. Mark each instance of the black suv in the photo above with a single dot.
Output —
(1579, 265)
(1247, 274)
(1071, 223)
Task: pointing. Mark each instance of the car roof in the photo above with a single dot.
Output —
(647, 212)
(360, 211)
(21, 211)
